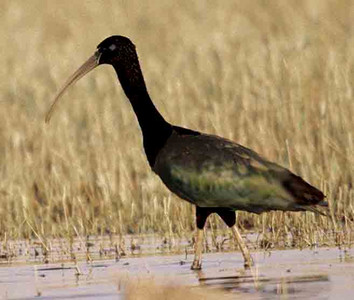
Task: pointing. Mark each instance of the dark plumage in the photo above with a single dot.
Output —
(215, 174)
(210, 171)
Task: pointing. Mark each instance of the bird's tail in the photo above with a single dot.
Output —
(304, 193)
(320, 208)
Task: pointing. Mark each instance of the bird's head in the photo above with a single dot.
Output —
(114, 49)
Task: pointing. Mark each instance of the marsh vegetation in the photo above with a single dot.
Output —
(273, 76)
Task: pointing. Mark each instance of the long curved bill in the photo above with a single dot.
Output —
(89, 65)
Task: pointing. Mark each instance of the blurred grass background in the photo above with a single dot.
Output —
(275, 76)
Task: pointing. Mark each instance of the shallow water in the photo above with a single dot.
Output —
(320, 274)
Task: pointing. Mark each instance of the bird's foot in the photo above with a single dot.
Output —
(196, 265)
(248, 263)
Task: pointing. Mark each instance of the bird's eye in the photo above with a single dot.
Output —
(112, 47)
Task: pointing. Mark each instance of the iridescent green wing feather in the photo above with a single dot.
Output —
(213, 172)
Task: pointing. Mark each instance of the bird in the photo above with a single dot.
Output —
(215, 174)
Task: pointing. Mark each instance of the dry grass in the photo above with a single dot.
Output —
(272, 75)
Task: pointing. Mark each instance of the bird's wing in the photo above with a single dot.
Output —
(213, 172)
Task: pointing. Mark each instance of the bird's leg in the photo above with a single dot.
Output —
(198, 250)
(229, 217)
(245, 251)
(201, 217)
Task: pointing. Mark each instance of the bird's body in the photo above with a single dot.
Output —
(213, 173)
(210, 171)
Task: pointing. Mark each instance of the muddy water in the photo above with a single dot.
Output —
(289, 274)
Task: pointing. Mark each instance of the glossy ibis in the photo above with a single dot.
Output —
(217, 175)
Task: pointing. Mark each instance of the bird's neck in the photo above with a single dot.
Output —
(156, 130)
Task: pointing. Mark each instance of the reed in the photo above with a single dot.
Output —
(274, 76)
